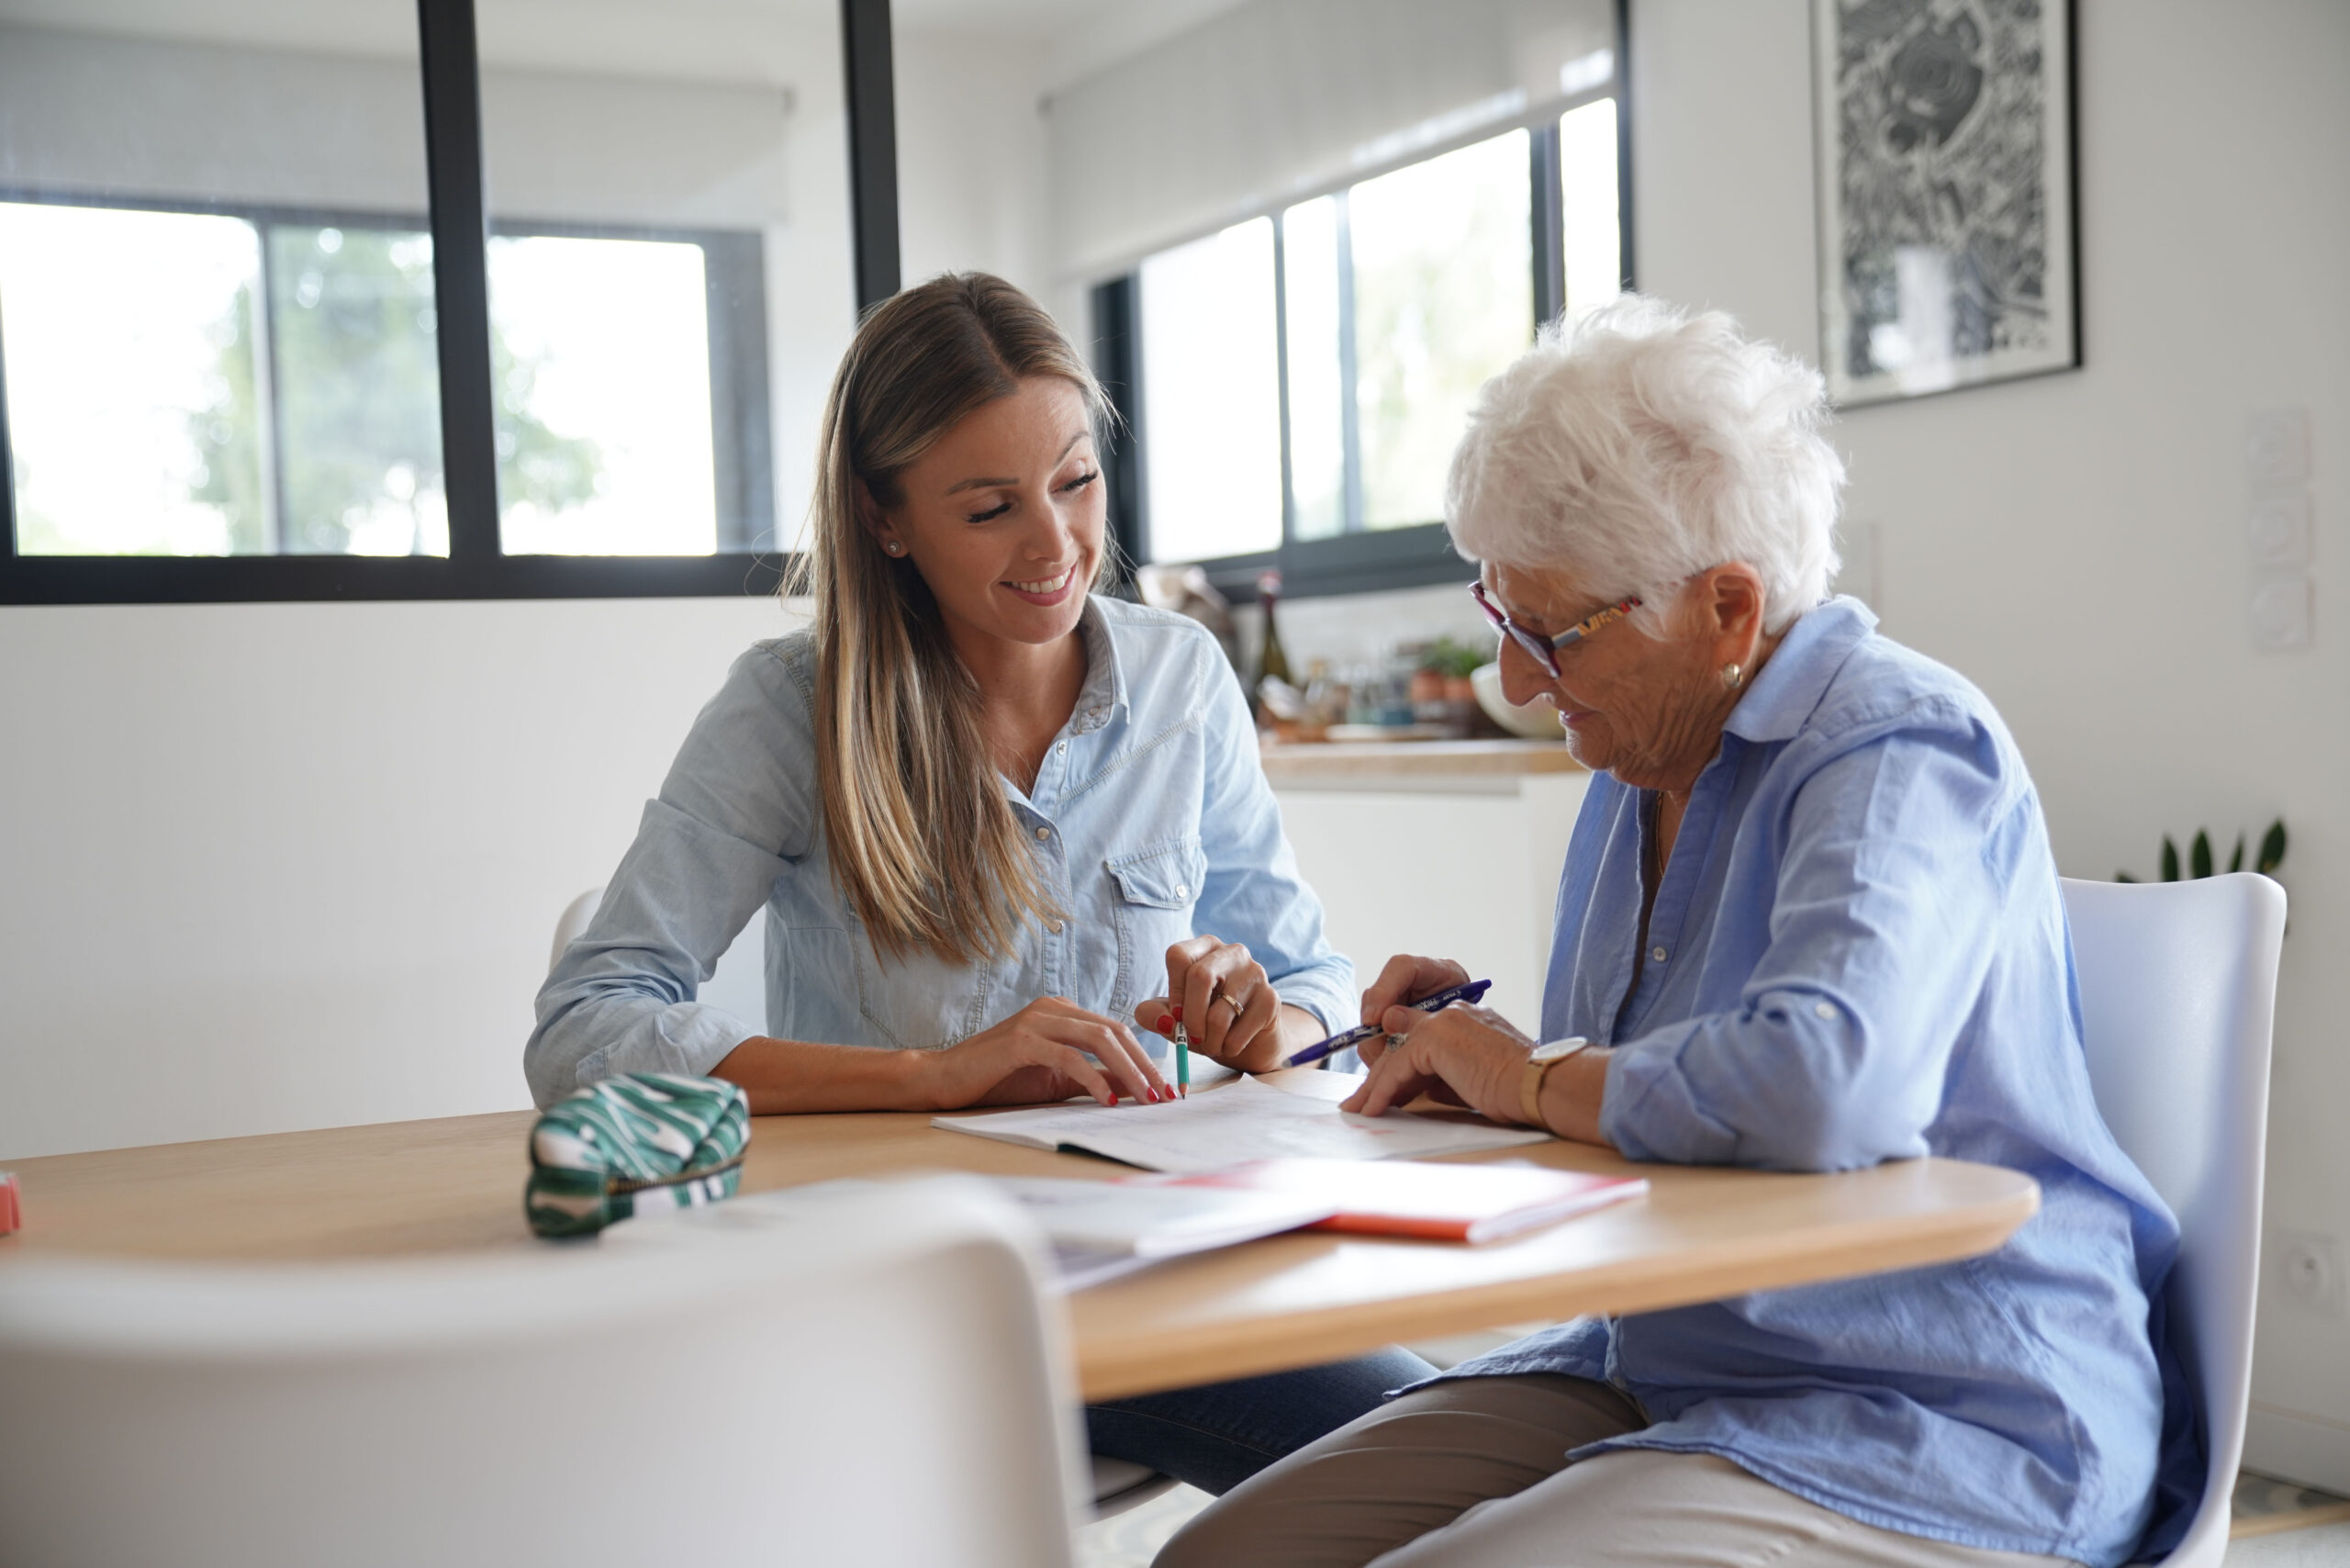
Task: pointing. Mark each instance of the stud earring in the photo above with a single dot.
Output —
(894, 548)
(1732, 677)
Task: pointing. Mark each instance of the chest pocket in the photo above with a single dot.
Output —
(1155, 891)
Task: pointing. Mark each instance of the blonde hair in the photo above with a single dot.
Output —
(920, 835)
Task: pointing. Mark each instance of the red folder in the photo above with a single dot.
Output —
(1408, 1197)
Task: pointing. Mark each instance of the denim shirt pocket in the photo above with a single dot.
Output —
(1157, 888)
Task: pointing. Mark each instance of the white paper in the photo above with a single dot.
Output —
(1246, 1120)
(1154, 1221)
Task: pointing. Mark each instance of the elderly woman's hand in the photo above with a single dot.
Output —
(1405, 979)
(1464, 1056)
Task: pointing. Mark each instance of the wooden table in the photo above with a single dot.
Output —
(456, 1185)
(1309, 764)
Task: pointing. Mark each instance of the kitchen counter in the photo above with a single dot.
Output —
(1480, 768)
(1443, 848)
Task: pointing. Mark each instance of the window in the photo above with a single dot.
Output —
(128, 345)
(199, 384)
(248, 340)
(264, 386)
(1303, 377)
(1212, 390)
(1443, 263)
(608, 416)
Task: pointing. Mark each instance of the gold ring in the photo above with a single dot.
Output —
(1237, 1008)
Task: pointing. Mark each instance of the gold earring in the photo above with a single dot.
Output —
(1731, 677)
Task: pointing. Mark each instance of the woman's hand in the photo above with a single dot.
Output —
(1040, 1054)
(1230, 1011)
(1405, 979)
(1464, 1056)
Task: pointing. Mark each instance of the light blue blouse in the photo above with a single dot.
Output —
(1858, 953)
(1151, 821)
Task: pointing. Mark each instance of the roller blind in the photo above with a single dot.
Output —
(1279, 98)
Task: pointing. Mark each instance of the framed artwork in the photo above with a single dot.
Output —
(1946, 183)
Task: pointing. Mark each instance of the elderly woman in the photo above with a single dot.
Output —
(1808, 922)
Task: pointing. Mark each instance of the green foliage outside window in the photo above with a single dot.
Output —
(354, 375)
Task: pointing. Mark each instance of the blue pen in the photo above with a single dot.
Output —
(1437, 1004)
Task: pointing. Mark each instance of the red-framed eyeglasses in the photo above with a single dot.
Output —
(1544, 650)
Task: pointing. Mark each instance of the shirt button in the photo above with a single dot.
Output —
(1182, 890)
(1044, 832)
(1823, 1008)
(1657, 954)
(1062, 748)
(1053, 926)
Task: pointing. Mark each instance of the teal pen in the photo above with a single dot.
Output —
(1182, 1059)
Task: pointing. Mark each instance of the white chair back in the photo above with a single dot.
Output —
(2178, 993)
(738, 986)
(750, 1394)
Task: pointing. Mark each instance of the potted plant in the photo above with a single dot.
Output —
(2198, 855)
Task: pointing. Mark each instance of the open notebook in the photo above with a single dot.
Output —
(1247, 1119)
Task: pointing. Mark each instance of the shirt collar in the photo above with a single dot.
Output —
(1104, 692)
(1797, 675)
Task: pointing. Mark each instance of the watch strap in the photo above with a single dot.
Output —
(1538, 1067)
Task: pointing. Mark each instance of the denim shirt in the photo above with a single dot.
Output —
(1150, 820)
(1858, 953)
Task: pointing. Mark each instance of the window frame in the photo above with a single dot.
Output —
(476, 566)
(734, 302)
(1360, 560)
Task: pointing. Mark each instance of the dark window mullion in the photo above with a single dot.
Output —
(866, 60)
(1117, 364)
(453, 162)
(7, 470)
(1549, 213)
(1623, 142)
(741, 422)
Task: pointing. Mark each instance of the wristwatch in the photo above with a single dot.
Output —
(1541, 1062)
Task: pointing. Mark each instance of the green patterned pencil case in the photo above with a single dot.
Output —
(637, 1144)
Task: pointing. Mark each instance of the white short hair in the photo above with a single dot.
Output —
(1645, 444)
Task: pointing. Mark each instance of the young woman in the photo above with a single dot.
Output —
(990, 816)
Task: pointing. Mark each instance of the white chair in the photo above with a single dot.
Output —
(748, 1395)
(2178, 989)
(739, 985)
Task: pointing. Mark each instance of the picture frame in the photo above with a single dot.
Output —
(1947, 194)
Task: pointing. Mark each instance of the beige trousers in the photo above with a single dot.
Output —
(1473, 1474)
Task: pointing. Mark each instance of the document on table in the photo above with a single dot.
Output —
(1249, 1119)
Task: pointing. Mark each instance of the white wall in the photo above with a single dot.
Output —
(266, 866)
(971, 155)
(2076, 543)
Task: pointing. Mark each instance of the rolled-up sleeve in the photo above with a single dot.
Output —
(1889, 895)
(1253, 894)
(734, 814)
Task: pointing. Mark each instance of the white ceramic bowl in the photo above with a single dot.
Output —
(1535, 721)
